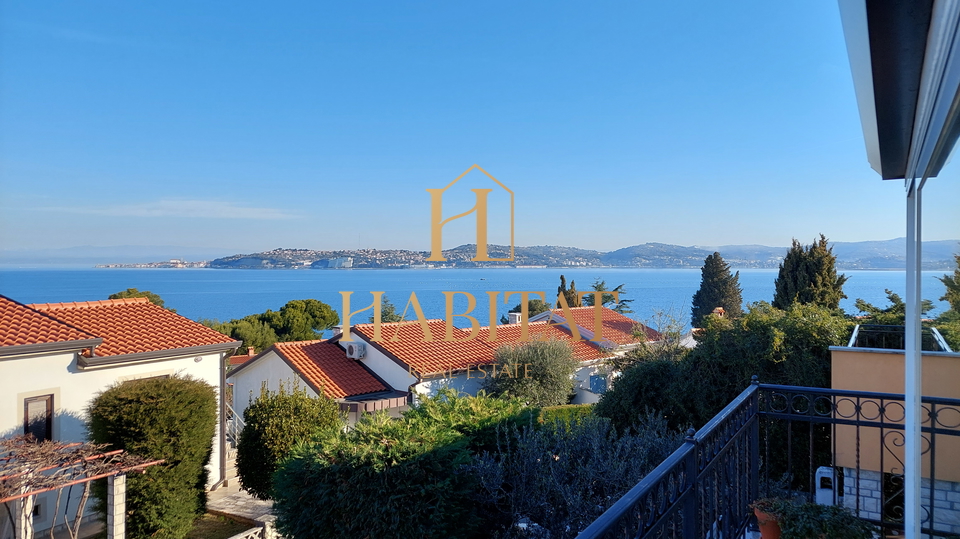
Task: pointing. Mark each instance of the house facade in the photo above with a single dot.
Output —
(410, 360)
(318, 368)
(877, 489)
(55, 357)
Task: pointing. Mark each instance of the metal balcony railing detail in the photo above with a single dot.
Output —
(829, 446)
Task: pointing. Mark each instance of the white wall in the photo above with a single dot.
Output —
(269, 368)
(73, 389)
(394, 375)
(459, 382)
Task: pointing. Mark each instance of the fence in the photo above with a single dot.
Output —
(831, 446)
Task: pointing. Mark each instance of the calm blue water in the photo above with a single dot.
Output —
(227, 294)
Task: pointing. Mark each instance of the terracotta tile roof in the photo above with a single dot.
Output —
(510, 334)
(614, 326)
(132, 325)
(440, 356)
(19, 324)
(429, 357)
(325, 366)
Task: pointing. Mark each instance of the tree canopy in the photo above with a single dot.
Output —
(534, 307)
(718, 288)
(539, 373)
(134, 293)
(570, 294)
(388, 311)
(617, 303)
(808, 275)
(895, 314)
(298, 320)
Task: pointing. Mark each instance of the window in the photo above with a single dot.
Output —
(598, 383)
(38, 417)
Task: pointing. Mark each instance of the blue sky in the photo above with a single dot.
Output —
(250, 126)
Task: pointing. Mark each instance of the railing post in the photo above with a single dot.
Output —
(691, 505)
(755, 440)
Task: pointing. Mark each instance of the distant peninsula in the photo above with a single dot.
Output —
(866, 255)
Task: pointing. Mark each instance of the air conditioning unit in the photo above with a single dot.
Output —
(355, 350)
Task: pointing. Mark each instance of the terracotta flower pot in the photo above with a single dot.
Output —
(769, 527)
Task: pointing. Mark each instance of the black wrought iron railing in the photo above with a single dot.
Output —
(830, 446)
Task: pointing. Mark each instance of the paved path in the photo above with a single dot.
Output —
(233, 502)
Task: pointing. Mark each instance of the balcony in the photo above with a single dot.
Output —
(829, 445)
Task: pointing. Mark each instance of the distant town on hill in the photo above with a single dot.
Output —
(878, 255)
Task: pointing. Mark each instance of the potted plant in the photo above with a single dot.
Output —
(787, 519)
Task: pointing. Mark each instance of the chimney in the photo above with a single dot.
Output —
(337, 330)
(250, 351)
(513, 318)
(719, 311)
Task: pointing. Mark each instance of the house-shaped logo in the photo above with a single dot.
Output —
(480, 209)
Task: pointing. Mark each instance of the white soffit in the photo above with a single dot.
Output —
(853, 15)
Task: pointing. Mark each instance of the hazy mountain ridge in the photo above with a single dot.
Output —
(850, 255)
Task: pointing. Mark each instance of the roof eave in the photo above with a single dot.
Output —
(40, 348)
(155, 355)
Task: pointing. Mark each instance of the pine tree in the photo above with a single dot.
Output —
(809, 275)
(718, 288)
(952, 282)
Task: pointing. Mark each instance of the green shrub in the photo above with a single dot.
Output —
(539, 373)
(562, 476)
(273, 424)
(384, 478)
(800, 520)
(568, 413)
(646, 386)
(781, 347)
(477, 418)
(160, 418)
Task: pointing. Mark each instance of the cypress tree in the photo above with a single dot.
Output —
(718, 288)
(808, 275)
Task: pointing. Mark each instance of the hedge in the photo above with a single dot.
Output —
(159, 418)
(273, 424)
(384, 478)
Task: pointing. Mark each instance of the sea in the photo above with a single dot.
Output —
(225, 294)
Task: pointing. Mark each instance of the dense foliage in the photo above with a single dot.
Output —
(384, 478)
(134, 293)
(779, 346)
(298, 320)
(534, 307)
(802, 520)
(952, 283)
(718, 288)
(560, 477)
(160, 418)
(893, 315)
(539, 373)
(809, 275)
(477, 418)
(394, 478)
(273, 424)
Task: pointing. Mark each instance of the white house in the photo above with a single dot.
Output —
(55, 357)
(317, 367)
(407, 360)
